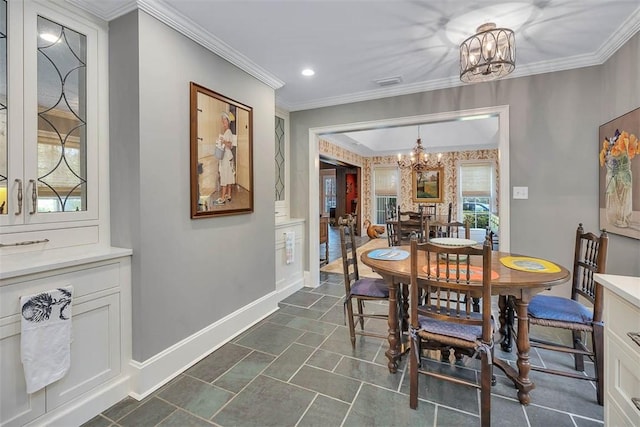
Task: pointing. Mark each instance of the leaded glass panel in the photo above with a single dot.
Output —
(280, 160)
(62, 182)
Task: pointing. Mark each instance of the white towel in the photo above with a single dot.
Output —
(289, 246)
(46, 337)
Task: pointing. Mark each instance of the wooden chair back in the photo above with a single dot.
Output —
(348, 247)
(455, 229)
(450, 284)
(324, 237)
(408, 223)
(590, 256)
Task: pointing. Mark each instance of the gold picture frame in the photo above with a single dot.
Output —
(221, 154)
(427, 185)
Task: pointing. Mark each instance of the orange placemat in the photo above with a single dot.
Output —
(475, 272)
(525, 263)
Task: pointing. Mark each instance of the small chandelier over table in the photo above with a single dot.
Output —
(488, 55)
(417, 160)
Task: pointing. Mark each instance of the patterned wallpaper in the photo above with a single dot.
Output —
(450, 162)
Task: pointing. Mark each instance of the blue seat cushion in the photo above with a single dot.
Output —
(470, 333)
(560, 309)
(370, 287)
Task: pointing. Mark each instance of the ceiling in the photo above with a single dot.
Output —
(353, 44)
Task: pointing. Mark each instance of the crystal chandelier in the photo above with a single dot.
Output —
(488, 55)
(417, 160)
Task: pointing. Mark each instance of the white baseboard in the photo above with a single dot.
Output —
(158, 370)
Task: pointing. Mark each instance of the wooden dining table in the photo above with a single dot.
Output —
(518, 284)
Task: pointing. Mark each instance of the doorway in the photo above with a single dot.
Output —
(339, 186)
(502, 112)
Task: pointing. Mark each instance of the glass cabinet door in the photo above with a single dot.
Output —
(48, 170)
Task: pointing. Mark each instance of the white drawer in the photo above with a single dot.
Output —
(622, 375)
(621, 317)
(84, 281)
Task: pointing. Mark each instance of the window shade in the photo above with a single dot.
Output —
(385, 181)
(475, 180)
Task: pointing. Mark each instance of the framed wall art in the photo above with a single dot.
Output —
(427, 185)
(221, 154)
(619, 190)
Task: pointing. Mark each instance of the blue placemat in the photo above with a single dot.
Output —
(389, 254)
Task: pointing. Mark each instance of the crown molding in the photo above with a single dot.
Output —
(627, 30)
(166, 14)
(106, 14)
(163, 12)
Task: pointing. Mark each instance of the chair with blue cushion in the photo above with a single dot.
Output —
(581, 314)
(358, 288)
(446, 319)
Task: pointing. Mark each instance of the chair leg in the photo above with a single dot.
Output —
(413, 373)
(598, 350)
(485, 390)
(360, 311)
(578, 358)
(352, 326)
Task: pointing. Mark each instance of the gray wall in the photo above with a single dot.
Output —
(554, 120)
(187, 274)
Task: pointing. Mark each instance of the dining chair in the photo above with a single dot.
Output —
(590, 256)
(444, 320)
(494, 238)
(358, 288)
(455, 229)
(324, 238)
(408, 223)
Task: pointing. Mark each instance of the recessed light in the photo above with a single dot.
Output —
(49, 37)
(308, 72)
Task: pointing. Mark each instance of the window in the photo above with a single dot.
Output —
(476, 186)
(328, 192)
(385, 181)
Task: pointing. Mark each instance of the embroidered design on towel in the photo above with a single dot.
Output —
(45, 338)
(38, 308)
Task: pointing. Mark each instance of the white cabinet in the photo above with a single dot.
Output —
(289, 276)
(53, 125)
(621, 353)
(100, 346)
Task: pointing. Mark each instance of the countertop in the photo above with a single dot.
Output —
(627, 287)
(20, 264)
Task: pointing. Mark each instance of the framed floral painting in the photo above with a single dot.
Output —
(619, 153)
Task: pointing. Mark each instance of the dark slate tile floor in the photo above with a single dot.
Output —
(297, 368)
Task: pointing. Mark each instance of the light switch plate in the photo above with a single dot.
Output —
(520, 192)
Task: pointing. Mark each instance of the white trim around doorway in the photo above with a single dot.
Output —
(501, 111)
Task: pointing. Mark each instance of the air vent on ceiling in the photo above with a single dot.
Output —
(388, 81)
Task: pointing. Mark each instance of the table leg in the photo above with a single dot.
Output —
(524, 384)
(393, 353)
(405, 307)
(520, 377)
(506, 322)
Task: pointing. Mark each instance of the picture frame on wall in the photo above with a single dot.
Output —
(427, 185)
(221, 139)
(619, 183)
